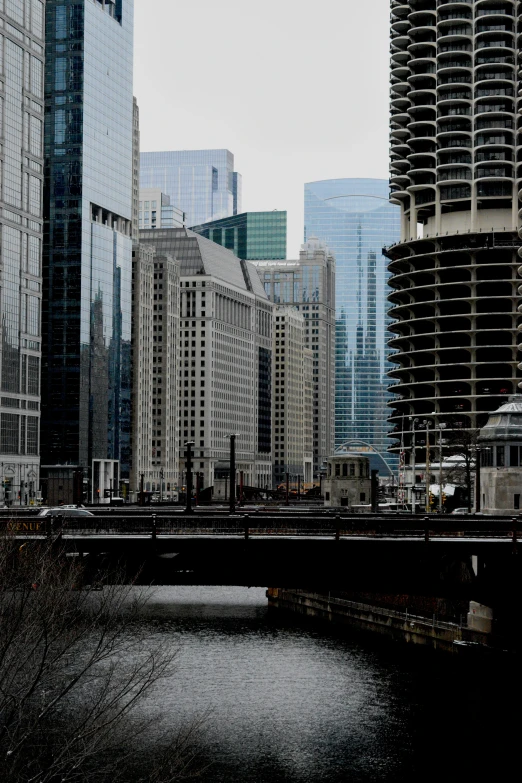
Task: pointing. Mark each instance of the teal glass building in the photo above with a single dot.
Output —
(356, 220)
(252, 236)
(87, 253)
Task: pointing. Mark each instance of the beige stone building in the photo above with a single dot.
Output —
(348, 481)
(292, 397)
(155, 401)
(224, 358)
(308, 284)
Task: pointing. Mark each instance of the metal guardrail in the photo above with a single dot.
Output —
(253, 525)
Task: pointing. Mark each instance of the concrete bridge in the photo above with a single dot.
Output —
(456, 559)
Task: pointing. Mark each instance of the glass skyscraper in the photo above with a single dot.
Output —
(355, 219)
(253, 236)
(21, 182)
(87, 233)
(202, 183)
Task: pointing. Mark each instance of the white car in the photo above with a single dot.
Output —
(64, 511)
(460, 511)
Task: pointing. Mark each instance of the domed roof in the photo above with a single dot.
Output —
(504, 423)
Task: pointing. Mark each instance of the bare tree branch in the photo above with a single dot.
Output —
(75, 665)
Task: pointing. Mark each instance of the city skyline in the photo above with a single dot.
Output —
(302, 131)
(355, 220)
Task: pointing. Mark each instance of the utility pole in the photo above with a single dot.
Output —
(188, 446)
(427, 477)
(232, 474)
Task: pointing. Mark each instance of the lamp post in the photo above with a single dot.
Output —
(232, 474)
(426, 423)
(442, 426)
(188, 446)
(413, 421)
(477, 480)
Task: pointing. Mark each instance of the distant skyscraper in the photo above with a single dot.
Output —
(355, 219)
(156, 210)
(135, 170)
(21, 107)
(202, 183)
(86, 380)
(309, 285)
(254, 236)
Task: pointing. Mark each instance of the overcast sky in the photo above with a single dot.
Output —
(296, 89)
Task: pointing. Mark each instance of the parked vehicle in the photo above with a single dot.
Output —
(64, 511)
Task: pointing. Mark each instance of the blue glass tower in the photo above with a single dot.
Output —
(202, 183)
(87, 257)
(356, 220)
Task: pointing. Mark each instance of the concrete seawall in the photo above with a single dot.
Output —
(403, 626)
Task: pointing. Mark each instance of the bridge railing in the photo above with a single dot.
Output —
(252, 525)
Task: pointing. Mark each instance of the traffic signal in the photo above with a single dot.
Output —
(431, 499)
(443, 498)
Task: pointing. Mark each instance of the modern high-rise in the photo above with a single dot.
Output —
(156, 211)
(87, 261)
(308, 284)
(224, 357)
(455, 171)
(135, 169)
(254, 236)
(202, 183)
(354, 218)
(21, 138)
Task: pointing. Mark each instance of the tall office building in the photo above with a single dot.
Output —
(454, 86)
(355, 220)
(202, 183)
(86, 379)
(135, 169)
(309, 285)
(292, 398)
(156, 211)
(21, 136)
(254, 236)
(225, 357)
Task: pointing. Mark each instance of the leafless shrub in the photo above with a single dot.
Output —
(74, 666)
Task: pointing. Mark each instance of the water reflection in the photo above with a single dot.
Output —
(291, 702)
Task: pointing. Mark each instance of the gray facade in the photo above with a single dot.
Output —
(86, 382)
(455, 169)
(21, 141)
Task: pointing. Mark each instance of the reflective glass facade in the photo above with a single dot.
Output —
(355, 219)
(21, 182)
(202, 183)
(253, 236)
(87, 233)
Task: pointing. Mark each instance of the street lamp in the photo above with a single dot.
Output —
(232, 506)
(413, 421)
(442, 425)
(426, 423)
(188, 446)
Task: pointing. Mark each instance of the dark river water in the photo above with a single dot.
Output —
(291, 701)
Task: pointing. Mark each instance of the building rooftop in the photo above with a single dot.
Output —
(200, 256)
(504, 423)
